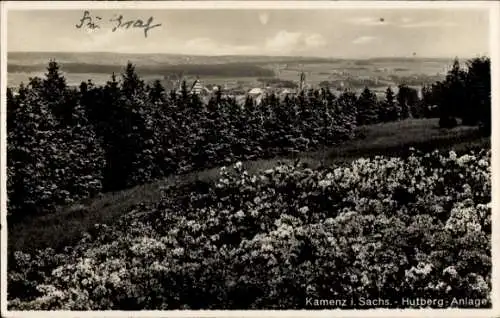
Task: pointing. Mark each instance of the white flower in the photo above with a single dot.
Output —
(329, 221)
(179, 251)
(266, 247)
(304, 209)
(453, 155)
(325, 183)
(450, 270)
(240, 214)
(465, 159)
(114, 279)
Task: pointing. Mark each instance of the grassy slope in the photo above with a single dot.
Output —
(65, 227)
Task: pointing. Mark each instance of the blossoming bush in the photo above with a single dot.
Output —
(380, 227)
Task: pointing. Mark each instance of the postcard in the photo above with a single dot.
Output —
(248, 158)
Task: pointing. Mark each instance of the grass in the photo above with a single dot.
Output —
(65, 227)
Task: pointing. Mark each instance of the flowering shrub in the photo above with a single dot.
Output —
(380, 227)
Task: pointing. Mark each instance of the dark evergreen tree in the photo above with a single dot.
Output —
(54, 155)
(453, 96)
(138, 113)
(12, 105)
(403, 101)
(429, 104)
(346, 105)
(456, 95)
(54, 83)
(60, 98)
(367, 108)
(414, 103)
(389, 109)
(131, 83)
(27, 150)
(477, 108)
(157, 92)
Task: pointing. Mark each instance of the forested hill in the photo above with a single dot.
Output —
(34, 58)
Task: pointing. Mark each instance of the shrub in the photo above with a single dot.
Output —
(272, 239)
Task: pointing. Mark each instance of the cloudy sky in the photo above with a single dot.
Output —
(325, 33)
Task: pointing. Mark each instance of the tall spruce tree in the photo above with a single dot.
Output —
(157, 92)
(390, 110)
(477, 108)
(29, 153)
(346, 105)
(140, 139)
(367, 108)
(55, 91)
(452, 99)
(402, 98)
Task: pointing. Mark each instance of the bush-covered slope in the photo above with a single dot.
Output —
(380, 228)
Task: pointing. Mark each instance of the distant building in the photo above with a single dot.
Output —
(256, 91)
(197, 88)
(256, 94)
(287, 92)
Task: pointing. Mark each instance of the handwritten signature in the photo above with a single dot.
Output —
(92, 23)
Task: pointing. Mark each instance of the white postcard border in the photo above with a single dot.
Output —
(494, 8)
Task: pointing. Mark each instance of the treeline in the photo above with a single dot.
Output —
(403, 105)
(465, 93)
(66, 144)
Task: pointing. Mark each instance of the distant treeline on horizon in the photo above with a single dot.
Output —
(47, 54)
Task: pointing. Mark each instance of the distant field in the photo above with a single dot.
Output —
(236, 70)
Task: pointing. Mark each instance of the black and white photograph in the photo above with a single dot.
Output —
(235, 156)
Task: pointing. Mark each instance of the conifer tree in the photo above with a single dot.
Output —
(389, 108)
(157, 92)
(477, 108)
(12, 104)
(30, 150)
(367, 111)
(403, 103)
(54, 83)
(140, 139)
(346, 104)
(131, 83)
(428, 102)
(55, 91)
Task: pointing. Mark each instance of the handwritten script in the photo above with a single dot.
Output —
(118, 22)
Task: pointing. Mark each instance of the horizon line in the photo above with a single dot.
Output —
(255, 55)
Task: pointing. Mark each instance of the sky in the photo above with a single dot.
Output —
(341, 33)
